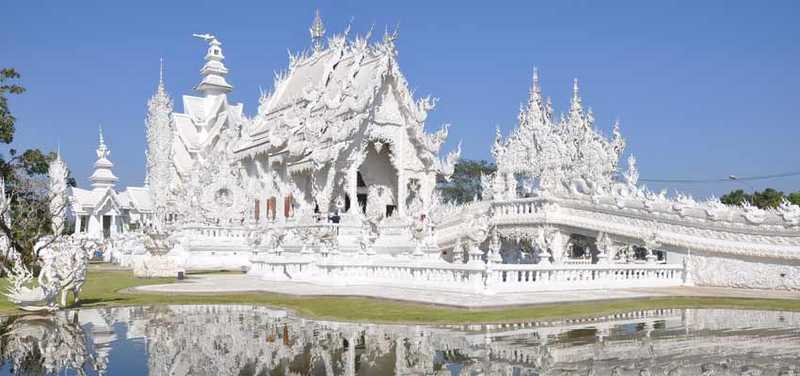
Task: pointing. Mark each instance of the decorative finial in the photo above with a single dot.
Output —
(317, 31)
(161, 71)
(575, 91)
(391, 37)
(102, 149)
(206, 37)
(214, 70)
(536, 88)
(576, 107)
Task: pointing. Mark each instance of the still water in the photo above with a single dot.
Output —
(245, 340)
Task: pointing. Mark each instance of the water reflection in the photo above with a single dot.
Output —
(244, 340)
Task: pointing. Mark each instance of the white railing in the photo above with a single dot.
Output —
(533, 277)
(434, 275)
(473, 277)
(581, 261)
(517, 208)
(216, 232)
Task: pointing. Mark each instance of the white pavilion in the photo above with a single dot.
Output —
(102, 211)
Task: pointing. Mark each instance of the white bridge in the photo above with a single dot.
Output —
(521, 245)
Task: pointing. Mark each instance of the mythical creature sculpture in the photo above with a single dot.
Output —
(789, 212)
(605, 247)
(63, 270)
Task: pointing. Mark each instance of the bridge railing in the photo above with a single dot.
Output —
(472, 277)
(522, 277)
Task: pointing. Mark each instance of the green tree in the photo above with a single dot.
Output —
(768, 198)
(794, 198)
(737, 197)
(8, 76)
(25, 176)
(465, 183)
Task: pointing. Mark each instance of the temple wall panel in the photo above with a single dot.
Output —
(729, 271)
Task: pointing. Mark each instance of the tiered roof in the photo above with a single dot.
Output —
(342, 84)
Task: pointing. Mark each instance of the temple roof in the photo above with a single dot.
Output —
(136, 198)
(335, 71)
(342, 84)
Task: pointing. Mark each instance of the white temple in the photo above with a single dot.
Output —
(333, 181)
(103, 212)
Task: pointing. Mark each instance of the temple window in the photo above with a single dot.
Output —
(287, 206)
(271, 208)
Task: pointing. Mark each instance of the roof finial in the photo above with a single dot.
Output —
(102, 149)
(317, 31)
(161, 71)
(576, 105)
(575, 91)
(536, 87)
(214, 70)
(391, 37)
(102, 177)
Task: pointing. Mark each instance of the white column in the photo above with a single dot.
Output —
(353, 188)
(94, 225)
(77, 224)
(401, 192)
(113, 227)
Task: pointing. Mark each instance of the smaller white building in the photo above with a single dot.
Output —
(102, 211)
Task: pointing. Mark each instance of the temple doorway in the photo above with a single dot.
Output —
(106, 226)
(377, 182)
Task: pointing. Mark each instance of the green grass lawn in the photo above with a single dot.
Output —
(103, 289)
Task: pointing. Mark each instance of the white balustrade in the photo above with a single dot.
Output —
(216, 232)
(430, 274)
(520, 277)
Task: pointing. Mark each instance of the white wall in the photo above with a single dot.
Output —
(743, 273)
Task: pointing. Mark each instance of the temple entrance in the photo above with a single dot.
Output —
(361, 196)
(581, 248)
(377, 182)
(106, 226)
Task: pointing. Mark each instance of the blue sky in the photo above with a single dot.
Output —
(702, 89)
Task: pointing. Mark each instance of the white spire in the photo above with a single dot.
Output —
(317, 31)
(214, 70)
(103, 177)
(161, 86)
(576, 105)
(536, 88)
(57, 176)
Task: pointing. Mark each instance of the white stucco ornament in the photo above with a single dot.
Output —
(63, 270)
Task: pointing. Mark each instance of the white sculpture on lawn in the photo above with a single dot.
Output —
(62, 259)
(63, 262)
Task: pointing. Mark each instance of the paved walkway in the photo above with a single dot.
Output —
(239, 283)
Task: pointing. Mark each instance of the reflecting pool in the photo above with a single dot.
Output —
(246, 340)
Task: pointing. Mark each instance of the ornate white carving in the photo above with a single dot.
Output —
(161, 175)
(57, 174)
(789, 212)
(63, 270)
